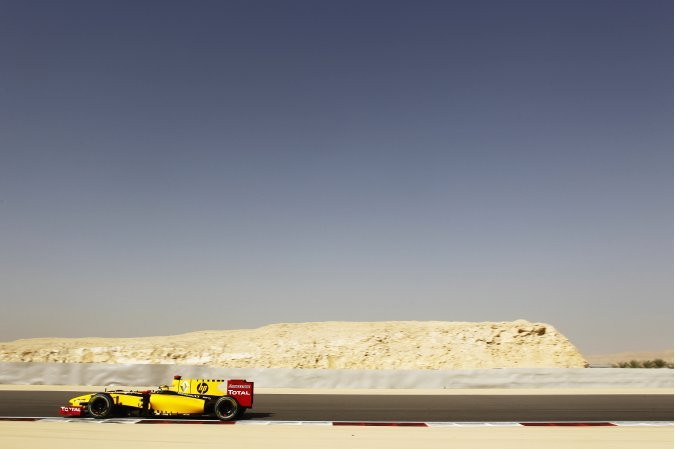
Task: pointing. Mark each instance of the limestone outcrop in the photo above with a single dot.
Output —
(330, 345)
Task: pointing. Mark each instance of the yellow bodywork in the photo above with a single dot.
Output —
(127, 400)
(167, 404)
(212, 387)
(167, 400)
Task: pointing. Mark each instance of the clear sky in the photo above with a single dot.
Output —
(171, 166)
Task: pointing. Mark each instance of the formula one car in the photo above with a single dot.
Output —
(227, 400)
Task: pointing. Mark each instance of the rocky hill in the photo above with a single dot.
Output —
(333, 345)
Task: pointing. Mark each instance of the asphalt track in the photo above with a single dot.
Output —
(457, 408)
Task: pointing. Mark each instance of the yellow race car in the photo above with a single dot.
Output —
(226, 399)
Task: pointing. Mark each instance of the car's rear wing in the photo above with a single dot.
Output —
(241, 391)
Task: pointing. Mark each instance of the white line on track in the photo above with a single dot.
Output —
(285, 423)
(318, 423)
(471, 424)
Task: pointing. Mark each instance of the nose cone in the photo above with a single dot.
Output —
(80, 399)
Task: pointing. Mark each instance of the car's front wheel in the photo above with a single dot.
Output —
(226, 408)
(101, 405)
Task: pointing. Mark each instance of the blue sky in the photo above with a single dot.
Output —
(177, 166)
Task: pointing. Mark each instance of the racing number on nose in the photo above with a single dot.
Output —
(202, 388)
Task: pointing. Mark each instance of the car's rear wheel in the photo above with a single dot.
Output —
(226, 408)
(101, 405)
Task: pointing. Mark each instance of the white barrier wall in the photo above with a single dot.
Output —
(145, 375)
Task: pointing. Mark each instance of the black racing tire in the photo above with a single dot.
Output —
(101, 406)
(226, 408)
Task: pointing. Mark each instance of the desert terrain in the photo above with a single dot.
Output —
(618, 357)
(329, 345)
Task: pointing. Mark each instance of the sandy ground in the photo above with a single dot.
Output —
(666, 355)
(325, 345)
(21, 435)
(459, 391)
